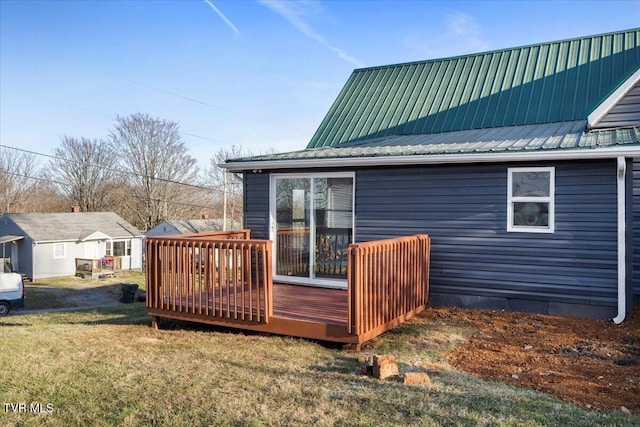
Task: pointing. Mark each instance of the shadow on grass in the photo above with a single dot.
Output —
(44, 297)
(122, 314)
(6, 325)
(341, 364)
(167, 324)
(456, 398)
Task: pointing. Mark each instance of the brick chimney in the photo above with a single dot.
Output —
(75, 209)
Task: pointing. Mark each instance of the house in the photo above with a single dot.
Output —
(636, 231)
(42, 245)
(520, 164)
(169, 227)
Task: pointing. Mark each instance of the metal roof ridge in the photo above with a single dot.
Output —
(491, 52)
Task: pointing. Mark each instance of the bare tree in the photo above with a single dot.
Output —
(85, 169)
(161, 173)
(18, 179)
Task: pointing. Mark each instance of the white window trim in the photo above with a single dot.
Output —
(127, 247)
(64, 250)
(550, 199)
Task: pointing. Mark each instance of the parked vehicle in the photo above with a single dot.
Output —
(11, 292)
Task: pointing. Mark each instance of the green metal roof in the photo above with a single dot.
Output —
(544, 83)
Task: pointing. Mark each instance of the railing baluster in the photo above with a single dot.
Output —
(193, 276)
(234, 275)
(386, 279)
(208, 280)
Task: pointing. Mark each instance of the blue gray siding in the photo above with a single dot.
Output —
(162, 229)
(256, 204)
(24, 246)
(475, 261)
(25, 254)
(625, 113)
(636, 230)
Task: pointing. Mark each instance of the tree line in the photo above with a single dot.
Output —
(142, 171)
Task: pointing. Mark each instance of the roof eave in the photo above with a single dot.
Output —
(424, 159)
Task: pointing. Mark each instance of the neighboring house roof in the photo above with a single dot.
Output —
(192, 226)
(542, 97)
(76, 226)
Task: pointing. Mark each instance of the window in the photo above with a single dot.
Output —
(118, 248)
(530, 199)
(59, 250)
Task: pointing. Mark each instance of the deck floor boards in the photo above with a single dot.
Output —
(299, 302)
(310, 303)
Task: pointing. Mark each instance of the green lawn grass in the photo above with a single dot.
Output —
(108, 367)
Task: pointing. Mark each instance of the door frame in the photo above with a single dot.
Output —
(327, 283)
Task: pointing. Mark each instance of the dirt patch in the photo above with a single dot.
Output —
(592, 363)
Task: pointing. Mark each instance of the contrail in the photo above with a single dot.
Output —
(224, 18)
(295, 14)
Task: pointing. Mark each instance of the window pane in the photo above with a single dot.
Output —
(293, 208)
(531, 214)
(333, 198)
(118, 248)
(531, 184)
(58, 250)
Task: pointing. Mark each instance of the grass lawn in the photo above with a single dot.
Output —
(71, 292)
(108, 367)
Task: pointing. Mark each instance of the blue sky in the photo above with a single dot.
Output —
(258, 74)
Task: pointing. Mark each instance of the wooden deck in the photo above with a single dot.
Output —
(310, 303)
(228, 282)
(298, 302)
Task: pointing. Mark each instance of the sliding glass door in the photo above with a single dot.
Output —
(312, 226)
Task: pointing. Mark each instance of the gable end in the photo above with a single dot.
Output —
(621, 108)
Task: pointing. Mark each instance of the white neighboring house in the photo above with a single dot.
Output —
(41, 245)
(169, 227)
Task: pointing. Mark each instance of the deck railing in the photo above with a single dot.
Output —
(216, 275)
(387, 280)
(330, 257)
(293, 252)
(225, 278)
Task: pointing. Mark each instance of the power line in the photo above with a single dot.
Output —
(36, 178)
(111, 116)
(199, 187)
(177, 95)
